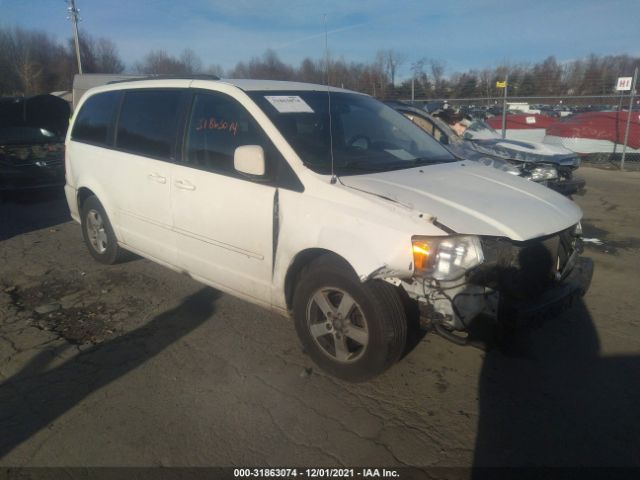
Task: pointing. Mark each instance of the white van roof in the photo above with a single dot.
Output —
(127, 81)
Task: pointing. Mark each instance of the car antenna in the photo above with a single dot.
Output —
(326, 55)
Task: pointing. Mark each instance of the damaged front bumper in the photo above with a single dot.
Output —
(556, 299)
(522, 280)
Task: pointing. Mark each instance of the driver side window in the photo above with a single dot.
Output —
(218, 124)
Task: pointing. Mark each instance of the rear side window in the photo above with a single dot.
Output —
(148, 122)
(94, 119)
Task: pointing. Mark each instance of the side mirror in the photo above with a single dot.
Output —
(249, 159)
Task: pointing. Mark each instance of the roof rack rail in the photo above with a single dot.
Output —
(168, 77)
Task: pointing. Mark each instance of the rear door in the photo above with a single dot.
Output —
(145, 145)
(224, 220)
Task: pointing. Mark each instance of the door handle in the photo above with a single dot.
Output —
(185, 185)
(157, 177)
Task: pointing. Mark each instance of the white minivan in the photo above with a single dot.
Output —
(319, 203)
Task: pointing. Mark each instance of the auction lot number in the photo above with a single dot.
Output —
(314, 473)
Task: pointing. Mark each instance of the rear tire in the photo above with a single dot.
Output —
(98, 233)
(351, 330)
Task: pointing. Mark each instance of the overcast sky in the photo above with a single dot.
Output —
(465, 34)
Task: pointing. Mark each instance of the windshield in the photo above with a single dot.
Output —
(480, 130)
(367, 136)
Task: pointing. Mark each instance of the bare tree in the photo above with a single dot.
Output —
(33, 62)
(27, 59)
(215, 69)
(191, 61)
(310, 71)
(392, 62)
(269, 67)
(97, 55)
(107, 58)
(159, 62)
(548, 77)
(437, 74)
(485, 85)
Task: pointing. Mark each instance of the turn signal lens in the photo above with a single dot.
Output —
(421, 253)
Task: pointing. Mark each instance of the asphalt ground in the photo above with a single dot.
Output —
(135, 365)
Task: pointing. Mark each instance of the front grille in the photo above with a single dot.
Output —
(48, 154)
(523, 269)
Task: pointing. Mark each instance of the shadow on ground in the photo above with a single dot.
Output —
(555, 401)
(26, 211)
(36, 396)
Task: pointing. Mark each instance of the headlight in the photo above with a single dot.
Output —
(541, 173)
(445, 258)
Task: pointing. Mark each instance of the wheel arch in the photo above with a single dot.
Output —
(300, 261)
(90, 189)
(83, 194)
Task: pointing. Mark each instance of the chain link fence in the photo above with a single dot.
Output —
(592, 125)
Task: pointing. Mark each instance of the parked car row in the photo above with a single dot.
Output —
(554, 111)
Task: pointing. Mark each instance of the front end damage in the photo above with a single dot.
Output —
(513, 283)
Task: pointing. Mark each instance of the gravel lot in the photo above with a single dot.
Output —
(135, 365)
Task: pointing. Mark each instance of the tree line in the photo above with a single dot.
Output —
(32, 62)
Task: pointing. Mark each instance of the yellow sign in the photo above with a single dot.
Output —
(501, 84)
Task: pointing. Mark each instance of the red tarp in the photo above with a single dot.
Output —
(600, 126)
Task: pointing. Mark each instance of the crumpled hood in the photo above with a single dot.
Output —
(471, 199)
(526, 151)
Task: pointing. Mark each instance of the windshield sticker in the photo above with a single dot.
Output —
(289, 104)
(401, 154)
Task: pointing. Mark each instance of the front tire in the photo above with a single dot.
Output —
(351, 330)
(98, 233)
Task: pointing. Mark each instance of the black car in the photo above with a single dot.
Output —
(32, 132)
(546, 164)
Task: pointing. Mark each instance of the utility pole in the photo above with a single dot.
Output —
(415, 68)
(73, 16)
(504, 107)
(626, 130)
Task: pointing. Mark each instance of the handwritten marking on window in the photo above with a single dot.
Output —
(213, 124)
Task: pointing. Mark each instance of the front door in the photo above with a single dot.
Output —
(223, 220)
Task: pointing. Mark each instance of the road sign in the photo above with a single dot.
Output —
(501, 84)
(624, 84)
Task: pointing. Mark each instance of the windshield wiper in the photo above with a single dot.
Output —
(365, 165)
(368, 165)
(431, 161)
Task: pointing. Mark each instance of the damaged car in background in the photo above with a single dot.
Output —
(550, 165)
(32, 131)
(321, 204)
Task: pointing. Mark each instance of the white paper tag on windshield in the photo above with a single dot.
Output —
(289, 104)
